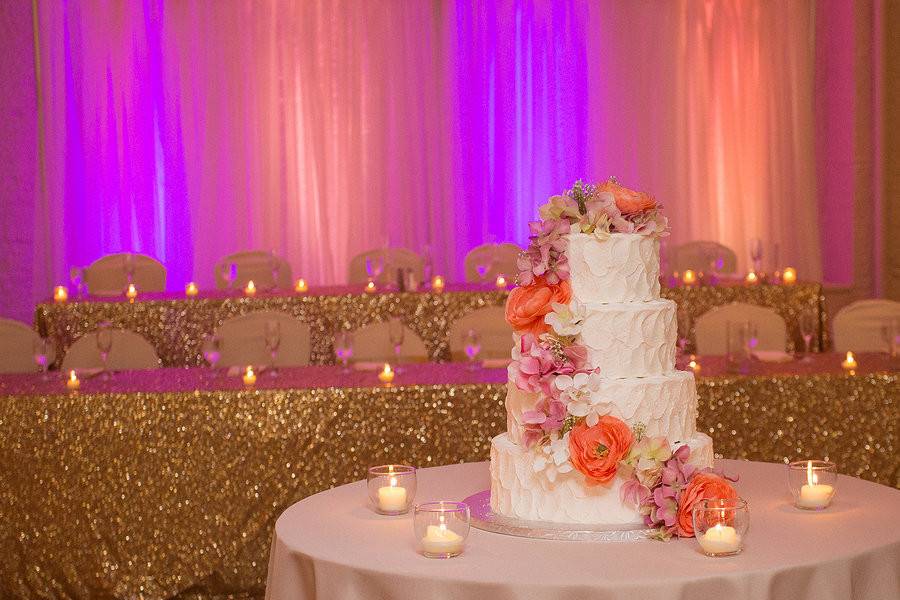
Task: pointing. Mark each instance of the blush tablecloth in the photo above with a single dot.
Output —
(332, 546)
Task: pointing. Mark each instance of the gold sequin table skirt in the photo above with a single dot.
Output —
(176, 325)
(157, 494)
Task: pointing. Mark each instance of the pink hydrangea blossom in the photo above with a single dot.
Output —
(546, 254)
(547, 417)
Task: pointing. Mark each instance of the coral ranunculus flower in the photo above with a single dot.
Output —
(702, 486)
(527, 306)
(628, 201)
(596, 451)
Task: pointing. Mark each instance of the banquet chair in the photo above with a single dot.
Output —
(258, 266)
(494, 332)
(243, 340)
(711, 327)
(500, 259)
(372, 343)
(129, 351)
(392, 259)
(17, 342)
(699, 256)
(866, 326)
(107, 276)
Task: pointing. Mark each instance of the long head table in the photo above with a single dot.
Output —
(175, 325)
(162, 483)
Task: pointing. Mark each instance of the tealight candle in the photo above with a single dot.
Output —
(441, 528)
(814, 494)
(850, 363)
(72, 382)
(191, 290)
(302, 287)
(689, 277)
(60, 294)
(439, 540)
(387, 374)
(131, 292)
(392, 498)
(370, 287)
(437, 283)
(720, 539)
(501, 281)
(249, 376)
(250, 290)
(752, 278)
(789, 276)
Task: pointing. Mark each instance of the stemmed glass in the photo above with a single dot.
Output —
(484, 265)
(716, 264)
(396, 331)
(890, 333)
(343, 348)
(41, 352)
(275, 268)
(684, 329)
(229, 274)
(212, 349)
(375, 265)
(752, 336)
(807, 325)
(76, 275)
(104, 345)
(273, 341)
(427, 263)
(756, 254)
(472, 346)
(128, 267)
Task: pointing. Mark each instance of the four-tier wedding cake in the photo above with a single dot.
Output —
(596, 411)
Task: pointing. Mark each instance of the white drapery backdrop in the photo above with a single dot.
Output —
(319, 129)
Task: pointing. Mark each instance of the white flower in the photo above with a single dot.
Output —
(579, 392)
(553, 458)
(566, 319)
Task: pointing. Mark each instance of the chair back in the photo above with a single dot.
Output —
(391, 260)
(700, 255)
(129, 351)
(258, 266)
(492, 260)
(372, 343)
(867, 326)
(243, 340)
(711, 328)
(17, 348)
(108, 276)
(494, 333)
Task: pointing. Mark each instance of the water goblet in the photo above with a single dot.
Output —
(275, 268)
(229, 274)
(375, 265)
(343, 348)
(807, 325)
(273, 342)
(128, 267)
(104, 346)
(396, 333)
(76, 275)
(472, 346)
(212, 350)
(756, 254)
(41, 353)
(890, 334)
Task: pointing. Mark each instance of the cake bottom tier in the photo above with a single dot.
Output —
(518, 492)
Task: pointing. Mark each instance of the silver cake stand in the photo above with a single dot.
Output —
(484, 518)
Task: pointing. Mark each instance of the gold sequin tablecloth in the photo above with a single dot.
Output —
(176, 325)
(165, 492)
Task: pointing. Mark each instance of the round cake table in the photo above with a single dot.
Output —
(332, 545)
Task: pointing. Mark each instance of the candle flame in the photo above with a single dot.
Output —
(72, 376)
(393, 482)
(849, 356)
(387, 369)
(811, 478)
(249, 370)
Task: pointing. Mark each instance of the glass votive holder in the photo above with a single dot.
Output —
(441, 528)
(392, 488)
(720, 525)
(812, 483)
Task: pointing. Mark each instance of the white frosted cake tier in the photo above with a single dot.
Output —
(631, 340)
(518, 492)
(666, 405)
(622, 268)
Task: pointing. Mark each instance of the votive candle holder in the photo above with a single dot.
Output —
(812, 483)
(441, 528)
(391, 488)
(720, 525)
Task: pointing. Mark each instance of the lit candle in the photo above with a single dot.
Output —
(501, 281)
(131, 293)
(752, 278)
(302, 287)
(60, 294)
(370, 287)
(720, 539)
(850, 363)
(387, 374)
(789, 276)
(814, 494)
(190, 290)
(689, 277)
(249, 376)
(694, 365)
(392, 498)
(440, 540)
(250, 290)
(437, 283)
(72, 382)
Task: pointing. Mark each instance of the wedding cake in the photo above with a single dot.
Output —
(597, 416)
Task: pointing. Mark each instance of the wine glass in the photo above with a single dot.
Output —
(343, 348)
(275, 268)
(76, 275)
(212, 349)
(807, 325)
(229, 274)
(752, 337)
(890, 334)
(375, 265)
(684, 329)
(716, 263)
(396, 332)
(427, 263)
(756, 254)
(41, 353)
(472, 346)
(104, 345)
(273, 341)
(483, 265)
(128, 266)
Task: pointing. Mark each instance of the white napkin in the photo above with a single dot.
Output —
(772, 356)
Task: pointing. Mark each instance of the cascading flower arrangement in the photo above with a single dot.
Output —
(568, 430)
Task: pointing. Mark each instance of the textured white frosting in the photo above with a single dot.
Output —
(665, 404)
(517, 491)
(631, 340)
(621, 268)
